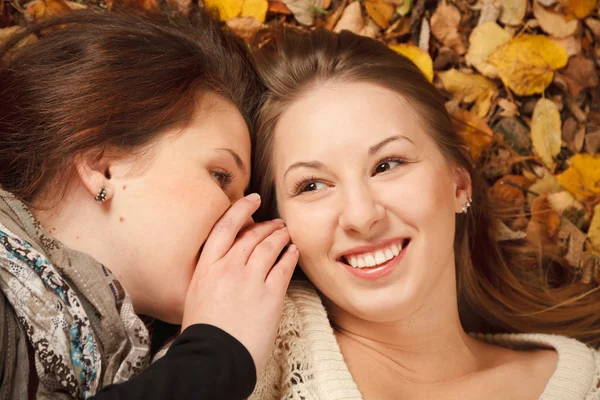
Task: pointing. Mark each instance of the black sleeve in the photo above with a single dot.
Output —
(204, 362)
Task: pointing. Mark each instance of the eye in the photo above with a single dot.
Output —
(387, 164)
(308, 185)
(223, 178)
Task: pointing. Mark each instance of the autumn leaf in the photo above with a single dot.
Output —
(594, 229)
(473, 131)
(470, 88)
(40, 10)
(380, 11)
(582, 178)
(255, 8)
(352, 20)
(147, 5)
(419, 57)
(227, 9)
(526, 64)
(304, 10)
(581, 8)
(444, 26)
(553, 23)
(405, 8)
(580, 74)
(244, 27)
(543, 213)
(506, 191)
(513, 11)
(484, 40)
(181, 6)
(546, 131)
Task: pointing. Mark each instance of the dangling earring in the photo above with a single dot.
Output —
(101, 196)
(465, 208)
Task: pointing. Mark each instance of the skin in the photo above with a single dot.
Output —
(161, 206)
(399, 333)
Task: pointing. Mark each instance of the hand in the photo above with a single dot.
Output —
(237, 285)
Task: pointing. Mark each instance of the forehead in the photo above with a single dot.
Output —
(342, 117)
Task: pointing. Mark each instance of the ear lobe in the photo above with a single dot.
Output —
(463, 189)
(95, 175)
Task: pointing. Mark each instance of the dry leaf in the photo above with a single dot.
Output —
(582, 178)
(503, 233)
(470, 88)
(484, 40)
(405, 8)
(576, 241)
(181, 6)
(526, 64)
(7, 33)
(580, 8)
(425, 35)
(473, 131)
(419, 57)
(594, 230)
(39, 10)
(507, 194)
(592, 142)
(490, 11)
(227, 9)
(580, 74)
(546, 131)
(553, 23)
(255, 8)
(380, 11)
(147, 5)
(594, 26)
(543, 213)
(513, 12)
(509, 109)
(562, 201)
(352, 20)
(244, 27)
(445, 58)
(571, 44)
(515, 133)
(303, 10)
(547, 183)
(278, 7)
(444, 26)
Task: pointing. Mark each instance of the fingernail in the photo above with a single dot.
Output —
(253, 197)
(292, 248)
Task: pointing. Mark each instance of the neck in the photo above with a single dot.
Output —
(419, 347)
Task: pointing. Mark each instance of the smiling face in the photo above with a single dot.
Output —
(368, 199)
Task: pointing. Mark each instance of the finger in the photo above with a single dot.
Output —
(280, 275)
(265, 254)
(226, 229)
(247, 240)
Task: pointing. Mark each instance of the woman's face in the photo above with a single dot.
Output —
(360, 184)
(164, 209)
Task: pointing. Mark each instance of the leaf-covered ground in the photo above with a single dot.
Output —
(520, 75)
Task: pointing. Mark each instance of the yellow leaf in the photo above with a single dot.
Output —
(594, 230)
(404, 9)
(581, 8)
(380, 11)
(582, 179)
(227, 8)
(546, 131)
(513, 11)
(255, 8)
(473, 131)
(484, 40)
(470, 88)
(418, 56)
(526, 64)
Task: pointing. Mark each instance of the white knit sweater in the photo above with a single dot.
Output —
(307, 363)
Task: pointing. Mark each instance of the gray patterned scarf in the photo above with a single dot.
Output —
(74, 314)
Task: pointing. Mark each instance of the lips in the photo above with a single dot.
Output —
(374, 256)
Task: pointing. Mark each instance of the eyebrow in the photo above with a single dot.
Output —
(320, 166)
(236, 158)
(374, 149)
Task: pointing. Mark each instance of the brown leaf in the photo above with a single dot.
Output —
(380, 11)
(507, 193)
(575, 242)
(590, 265)
(244, 27)
(594, 26)
(147, 5)
(572, 44)
(554, 23)
(181, 6)
(580, 74)
(515, 133)
(352, 20)
(542, 212)
(473, 131)
(592, 142)
(445, 58)
(509, 109)
(40, 10)
(278, 7)
(444, 26)
(580, 8)
(497, 164)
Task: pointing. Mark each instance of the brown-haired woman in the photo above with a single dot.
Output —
(123, 144)
(357, 154)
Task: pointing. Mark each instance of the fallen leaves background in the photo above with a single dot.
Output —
(520, 78)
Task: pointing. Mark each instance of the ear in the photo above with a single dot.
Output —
(462, 188)
(94, 172)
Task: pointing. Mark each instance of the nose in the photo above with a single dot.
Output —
(361, 210)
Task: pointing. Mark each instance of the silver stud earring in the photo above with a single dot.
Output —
(465, 208)
(101, 196)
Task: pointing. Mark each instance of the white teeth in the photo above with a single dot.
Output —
(388, 254)
(380, 257)
(369, 260)
(376, 258)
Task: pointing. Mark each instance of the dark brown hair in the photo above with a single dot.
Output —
(108, 82)
(498, 290)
